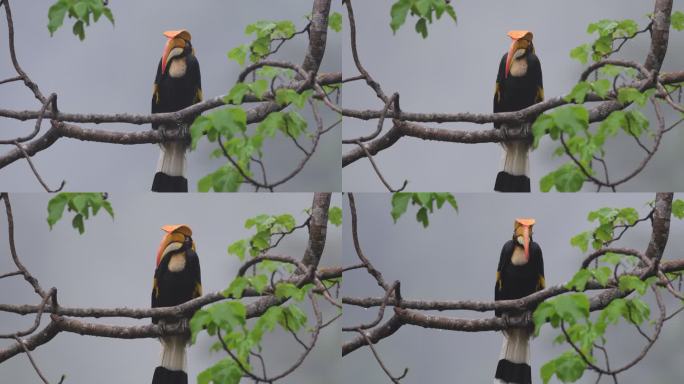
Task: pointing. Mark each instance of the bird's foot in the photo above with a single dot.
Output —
(504, 132)
(506, 319)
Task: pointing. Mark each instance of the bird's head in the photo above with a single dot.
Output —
(520, 46)
(177, 45)
(522, 234)
(178, 236)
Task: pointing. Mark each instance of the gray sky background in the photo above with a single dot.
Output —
(112, 265)
(113, 70)
(456, 259)
(454, 70)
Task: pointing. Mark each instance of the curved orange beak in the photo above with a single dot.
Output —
(174, 233)
(176, 39)
(525, 225)
(521, 40)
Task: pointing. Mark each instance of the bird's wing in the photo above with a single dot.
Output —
(539, 264)
(155, 93)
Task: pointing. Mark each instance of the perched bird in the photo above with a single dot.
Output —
(518, 86)
(520, 273)
(178, 85)
(177, 279)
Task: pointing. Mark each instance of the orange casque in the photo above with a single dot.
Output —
(181, 34)
(174, 232)
(517, 36)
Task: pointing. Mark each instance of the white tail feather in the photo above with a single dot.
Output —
(516, 346)
(516, 153)
(173, 352)
(172, 157)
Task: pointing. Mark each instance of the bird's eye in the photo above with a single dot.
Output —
(520, 240)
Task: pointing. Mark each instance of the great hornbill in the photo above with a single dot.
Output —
(518, 85)
(176, 280)
(177, 85)
(520, 273)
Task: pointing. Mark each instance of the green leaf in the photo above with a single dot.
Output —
(579, 281)
(581, 240)
(421, 27)
(567, 178)
(239, 53)
(542, 125)
(335, 21)
(571, 119)
(335, 216)
(236, 94)
(259, 282)
(238, 249)
(611, 258)
(547, 370)
(578, 93)
(630, 95)
(79, 30)
(422, 217)
(628, 283)
(80, 9)
(56, 15)
(678, 208)
(199, 320)
(543, 313)
(228, 315)
(236, 287)
(677, 20)
(398, 14)
(287, 290)
(602, 275)
(572, 307)
(400, 202)
(56, 208)
(581, 53)
(569, 367)
(601, 87)
(258, 88)
(77, 223)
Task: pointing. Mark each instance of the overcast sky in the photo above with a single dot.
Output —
(456, 259)
(113, 70)
(454, 70)
(112, 265)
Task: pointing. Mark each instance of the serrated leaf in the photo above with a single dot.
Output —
(400, 202)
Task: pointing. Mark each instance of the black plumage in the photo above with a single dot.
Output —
(173, 288)
(518, 86)
(516, 281)
(172, 94)
(177, 85)
(514, 93)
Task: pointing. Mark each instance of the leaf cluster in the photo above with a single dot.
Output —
(426, 202)
(608, 219)
(81, 10)
(608, 32)
(425, 10)
(264, 31)
(266, 226)
(82, 204)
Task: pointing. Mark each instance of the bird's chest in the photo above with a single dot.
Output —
(177, 68)
(177, 263)
(518, 68)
